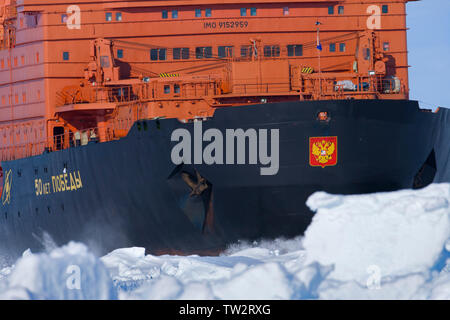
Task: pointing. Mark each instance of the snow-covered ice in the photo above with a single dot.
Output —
(379, 246)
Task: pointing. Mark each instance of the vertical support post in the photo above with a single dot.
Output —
(101, 124)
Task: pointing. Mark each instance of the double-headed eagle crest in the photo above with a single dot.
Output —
(323, 151)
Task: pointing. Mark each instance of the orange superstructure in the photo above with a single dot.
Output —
(93, 68)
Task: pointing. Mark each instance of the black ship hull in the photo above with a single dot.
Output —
(131, 193)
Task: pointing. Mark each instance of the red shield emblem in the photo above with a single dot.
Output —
(323, 151)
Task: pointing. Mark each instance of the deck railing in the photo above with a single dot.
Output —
(62, 142)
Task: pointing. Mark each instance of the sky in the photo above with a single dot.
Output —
(429, 52)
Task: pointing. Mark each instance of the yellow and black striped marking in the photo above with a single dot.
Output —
(169, 75)
(307, 70)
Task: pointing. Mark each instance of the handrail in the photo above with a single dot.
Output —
(60, 142)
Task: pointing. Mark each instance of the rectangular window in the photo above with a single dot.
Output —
(246, 51)
(64, 18)
(198, 13)
(165, 14)
(2, 63)
(342, 47)
(185, 53)
(208, 13)
(385, 8)
(203, 52)
(366, 53)
(272, 51)
(331, 10)
(180, 53)
(243, 12)
(386, 46)
(295, 50)
(166, 89)
(285, 11)
(174, 14)
(104, 61)
(332, 47)
(158, 54)
(119, 53)
(24, 97)
(66, 56)
(176, 53)
(162, 54)
(176, 88)
(108, 16)
(341, 10)
(253, 12)
(225, 51)
(118, 16)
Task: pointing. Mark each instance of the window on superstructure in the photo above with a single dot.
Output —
(3, 100)
(158, 54)
(386, 46)
(198, 13)
(243, 12)
(64, 18)
(203, 52)
(272, 51)
(22, 60)
(16, 63)
(225, 51)
(2, 63)
(208, 12)
(176, 88)
(108, 16)
(166, 89)
(246, 51)
(174, 14)
(118, 16)
(342, 47)
(332, 47)
(185, 53)
(180, 53)
(104, 61)
(295, 50)
(165, 14)
(341, 10)
(385, 8)
(24, 97)
(119, 53)
(330, 10)
(66, 56)
(366, 53)
(253, 12)
(285, 11)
